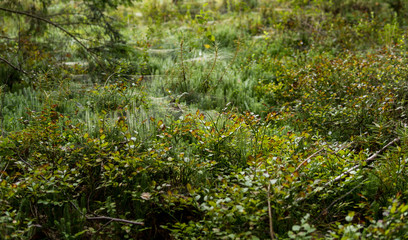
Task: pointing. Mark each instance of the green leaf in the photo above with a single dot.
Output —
(404, 209)
(350, 216)
(296, 228)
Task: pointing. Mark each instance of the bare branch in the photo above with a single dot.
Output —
(12, 66)
(49, 22)
(115, 220)
(307, 159)
(314, 154)
(368, 161)
(105, 218)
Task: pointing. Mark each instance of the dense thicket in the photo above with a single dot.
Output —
(223, 119)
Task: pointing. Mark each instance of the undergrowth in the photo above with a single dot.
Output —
(223, 120)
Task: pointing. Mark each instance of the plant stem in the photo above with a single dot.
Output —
(271, 232)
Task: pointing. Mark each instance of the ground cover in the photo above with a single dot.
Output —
(220, 119)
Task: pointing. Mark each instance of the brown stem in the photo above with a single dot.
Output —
(271, 232)
(212, 68)
(110, 219)
(182, 62)
(307, 159)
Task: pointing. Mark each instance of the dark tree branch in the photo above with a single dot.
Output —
(12, 66)
(76, 23)
(49, 22)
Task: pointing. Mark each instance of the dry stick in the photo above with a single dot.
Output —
(103, 226)
(109, 78)
(314, 154)
(28, 164)
(8, 38)
(307, 159)
(271, 232)
(114, 219)
(229, 65)
(45, 20)
(182, 61)
(368, 161)
(105, 218)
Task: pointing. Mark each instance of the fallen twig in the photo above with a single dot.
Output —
(104, 217)
(114, 220)
(368, 161)
(314, 154)
(307, 159)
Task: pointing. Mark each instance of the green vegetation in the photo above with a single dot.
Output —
(221, 119)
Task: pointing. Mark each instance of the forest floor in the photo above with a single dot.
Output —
(218, 120)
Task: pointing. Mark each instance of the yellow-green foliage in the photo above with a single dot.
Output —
(224, 119)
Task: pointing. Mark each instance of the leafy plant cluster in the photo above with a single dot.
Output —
(181, 119)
